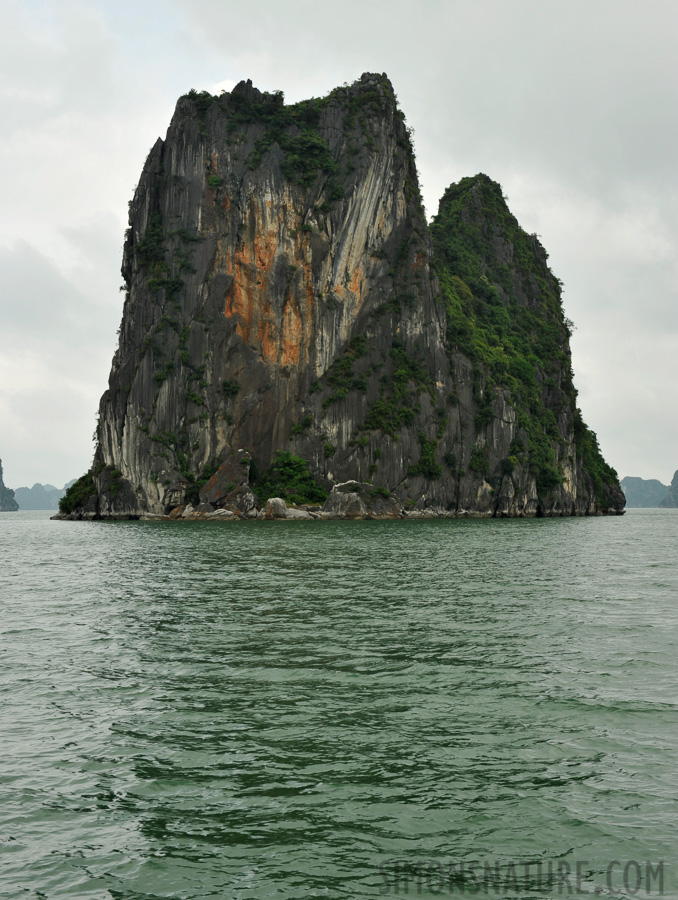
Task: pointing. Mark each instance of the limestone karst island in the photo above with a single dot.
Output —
(294, 329)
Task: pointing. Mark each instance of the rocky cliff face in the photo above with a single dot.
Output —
(284, 293)
(7, 501)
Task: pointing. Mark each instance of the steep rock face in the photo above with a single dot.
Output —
(284, 293)
(7, 501)
(508, 343)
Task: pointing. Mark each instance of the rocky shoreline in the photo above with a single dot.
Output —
(350, 500)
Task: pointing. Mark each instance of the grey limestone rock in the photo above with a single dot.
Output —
(293, 513)
(275, 508)
(231, 475)
(220, 514)
(353, 500)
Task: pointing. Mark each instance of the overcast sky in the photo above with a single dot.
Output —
(570, 105)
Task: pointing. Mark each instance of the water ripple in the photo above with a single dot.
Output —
(266, 710)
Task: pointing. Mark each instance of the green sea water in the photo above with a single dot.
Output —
(292, 710)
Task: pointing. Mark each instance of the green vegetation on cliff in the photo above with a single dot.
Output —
(295, 127)
(504, 313)
(398, 403)
(289, 477)
(78, 493)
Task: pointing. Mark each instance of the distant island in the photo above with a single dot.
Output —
(7, 501)
(648, 493)
(643, 492)
(40, 496)
(671, 499)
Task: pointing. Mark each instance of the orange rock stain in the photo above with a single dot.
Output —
(280, 327)
(292, 336)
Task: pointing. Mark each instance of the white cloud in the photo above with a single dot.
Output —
(570, 105)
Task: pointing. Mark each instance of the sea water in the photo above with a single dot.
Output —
(333, 709)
